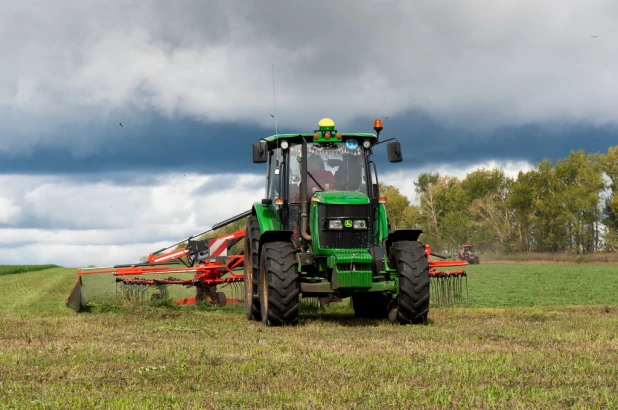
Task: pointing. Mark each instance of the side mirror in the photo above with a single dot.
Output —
(394, 151)
(259, 152)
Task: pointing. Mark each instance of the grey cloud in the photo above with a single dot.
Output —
(477, 65)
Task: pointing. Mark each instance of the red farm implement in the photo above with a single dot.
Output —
(212, 269)
(446, 287)
(206, 259)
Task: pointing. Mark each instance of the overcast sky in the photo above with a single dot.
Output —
(465, 84)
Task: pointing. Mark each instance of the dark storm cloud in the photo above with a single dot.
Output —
(462, 80)
(159, 145)
(136, 155)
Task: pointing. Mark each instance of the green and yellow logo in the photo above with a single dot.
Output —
(348, 223)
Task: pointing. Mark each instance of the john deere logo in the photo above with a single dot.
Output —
(348, 223)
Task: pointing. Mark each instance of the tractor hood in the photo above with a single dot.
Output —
(340, 197)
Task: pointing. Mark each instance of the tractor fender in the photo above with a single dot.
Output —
(400, 235)
(266, 216)
(274, 236)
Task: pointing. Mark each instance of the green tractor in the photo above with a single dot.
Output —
(322, 231)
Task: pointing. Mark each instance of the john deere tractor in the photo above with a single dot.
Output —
(322, 231)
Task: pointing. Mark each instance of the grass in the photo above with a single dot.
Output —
(555, 257)
(13, 269)
(506, 285)
(505, 350)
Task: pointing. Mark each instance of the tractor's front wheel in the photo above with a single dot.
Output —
(251, 265)
(412, 305)
(279, 284)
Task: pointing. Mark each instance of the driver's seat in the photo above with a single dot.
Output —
(348, 177)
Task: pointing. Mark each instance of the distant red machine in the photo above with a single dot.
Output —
(468, 254)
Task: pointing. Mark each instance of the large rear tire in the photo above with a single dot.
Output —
(370, 305)
(412, 306)
(251, 265)
(279, 284)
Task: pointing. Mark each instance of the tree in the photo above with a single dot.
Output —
(491, 223)
(443, 210)
(609, 163)
(401, 215)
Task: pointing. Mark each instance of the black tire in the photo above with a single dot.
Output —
(251, 269)
(279, 284)
(370, 305)
(200, 296)
(477, 260)
(412, 306)
(221, 299)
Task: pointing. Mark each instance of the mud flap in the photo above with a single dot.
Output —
(76, 299)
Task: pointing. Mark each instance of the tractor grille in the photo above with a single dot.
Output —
(346, 238)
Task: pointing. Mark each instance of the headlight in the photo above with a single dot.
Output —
(360, 224)
(335, 224)
(284, 145)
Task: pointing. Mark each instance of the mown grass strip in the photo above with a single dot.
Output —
(160, 357)
(140, 355)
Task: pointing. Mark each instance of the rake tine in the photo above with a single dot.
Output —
(444, 291)
(239, 290)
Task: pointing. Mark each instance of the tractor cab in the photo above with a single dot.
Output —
(322, 209)
(335, 169)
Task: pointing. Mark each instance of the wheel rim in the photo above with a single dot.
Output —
(264, 294)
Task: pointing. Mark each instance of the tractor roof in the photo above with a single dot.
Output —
(326, 132)
(310, 136)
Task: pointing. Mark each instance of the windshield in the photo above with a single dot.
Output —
(332, 166)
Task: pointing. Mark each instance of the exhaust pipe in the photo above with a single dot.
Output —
(304, 223)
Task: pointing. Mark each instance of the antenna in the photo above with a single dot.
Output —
(274, 101)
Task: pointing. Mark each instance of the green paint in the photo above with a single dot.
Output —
(347, 270)
(267, 217)
(352, 279)
(340, 197)
(309, 137)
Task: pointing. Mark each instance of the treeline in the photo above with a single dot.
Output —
(568, 205)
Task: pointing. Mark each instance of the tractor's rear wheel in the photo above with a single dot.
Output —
(251, 265)
(412, 306)
(370, 305)
(279, 284)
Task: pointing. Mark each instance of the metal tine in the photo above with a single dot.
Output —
(446, 288)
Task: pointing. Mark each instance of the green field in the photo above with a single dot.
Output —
(13, 269)
(530, 336)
